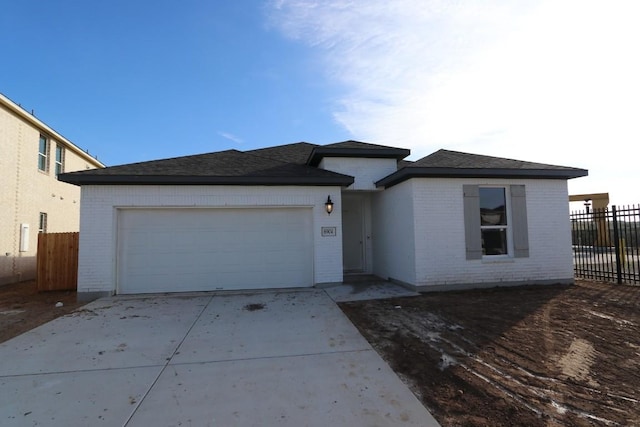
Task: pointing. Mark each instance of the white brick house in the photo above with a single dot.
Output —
(259, 219)
(32, 198)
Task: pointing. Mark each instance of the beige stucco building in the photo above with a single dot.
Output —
(32, 199)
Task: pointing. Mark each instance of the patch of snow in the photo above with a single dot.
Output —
(595, 418)
(559, 408)
(446, 361)
(11, 312)
(433, 336)
(605, 316)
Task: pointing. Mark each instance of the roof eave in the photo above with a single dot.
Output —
(87, 179)
(417, 172)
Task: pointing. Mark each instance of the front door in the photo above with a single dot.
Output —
(352, 234)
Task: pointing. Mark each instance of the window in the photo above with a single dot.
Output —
(42, 224)
(59, 159)
(495, 221)
(43, 154)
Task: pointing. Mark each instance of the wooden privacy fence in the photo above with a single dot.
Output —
(57, 261)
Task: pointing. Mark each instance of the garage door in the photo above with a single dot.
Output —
(178, 250)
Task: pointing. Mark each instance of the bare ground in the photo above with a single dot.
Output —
(532, 356)
(23, 308)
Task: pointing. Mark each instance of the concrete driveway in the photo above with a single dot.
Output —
(269, 358)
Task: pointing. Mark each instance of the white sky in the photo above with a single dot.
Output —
(553, 81)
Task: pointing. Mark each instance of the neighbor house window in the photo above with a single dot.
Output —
(43, 154)
(495, 221)
(42, 225)
(494, 225)
(59, 159)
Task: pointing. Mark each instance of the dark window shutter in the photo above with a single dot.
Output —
(472, 221)
(519, 222)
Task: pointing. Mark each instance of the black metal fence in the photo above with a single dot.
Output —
(606, 244)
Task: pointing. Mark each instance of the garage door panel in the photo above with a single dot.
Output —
(165, 250)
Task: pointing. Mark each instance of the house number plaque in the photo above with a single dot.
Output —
(328, 231)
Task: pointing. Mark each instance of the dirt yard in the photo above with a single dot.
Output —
(535, 356)
(22, 308)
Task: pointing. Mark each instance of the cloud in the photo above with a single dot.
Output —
(395, 59)
(553, 81)
(231, 137)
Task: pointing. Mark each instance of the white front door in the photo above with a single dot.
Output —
(352, 234)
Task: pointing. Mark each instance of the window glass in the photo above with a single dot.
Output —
(493, 221)
(59, 159)
(42, 226)
(493, 208)
(43, 151)
(494, 242)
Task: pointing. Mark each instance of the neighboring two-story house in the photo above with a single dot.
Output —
(32, 199)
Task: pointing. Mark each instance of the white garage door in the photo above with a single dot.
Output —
(178, 250)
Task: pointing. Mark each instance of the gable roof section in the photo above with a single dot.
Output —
(355, 149)
(454, 164)
(231, 167)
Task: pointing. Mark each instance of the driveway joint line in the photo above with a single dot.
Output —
(120, 368)
(283, 356)
(168, 361)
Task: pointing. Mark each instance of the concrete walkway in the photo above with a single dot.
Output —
(368, 290)
(264, 359)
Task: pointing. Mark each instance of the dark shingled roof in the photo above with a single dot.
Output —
(360, 145)
(295, 164)
(355, 149)
(403, 163)
(297, 153)
(229, 167)
(445, 163)
(456, 159)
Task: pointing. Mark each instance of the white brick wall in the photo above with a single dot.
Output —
(440, 240)
(98, 228)
(394, 238)
(365, 171)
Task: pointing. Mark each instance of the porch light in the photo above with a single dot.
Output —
(329, 205)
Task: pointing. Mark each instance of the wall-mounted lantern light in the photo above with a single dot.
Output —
(329, 205)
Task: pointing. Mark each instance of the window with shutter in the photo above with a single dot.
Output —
(495, 221)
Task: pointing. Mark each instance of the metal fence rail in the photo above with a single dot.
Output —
(606, 244)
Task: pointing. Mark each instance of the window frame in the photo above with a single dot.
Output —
(42, 222)
(506, 227)
(517, 199)
(43, 155)
(59, 168)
